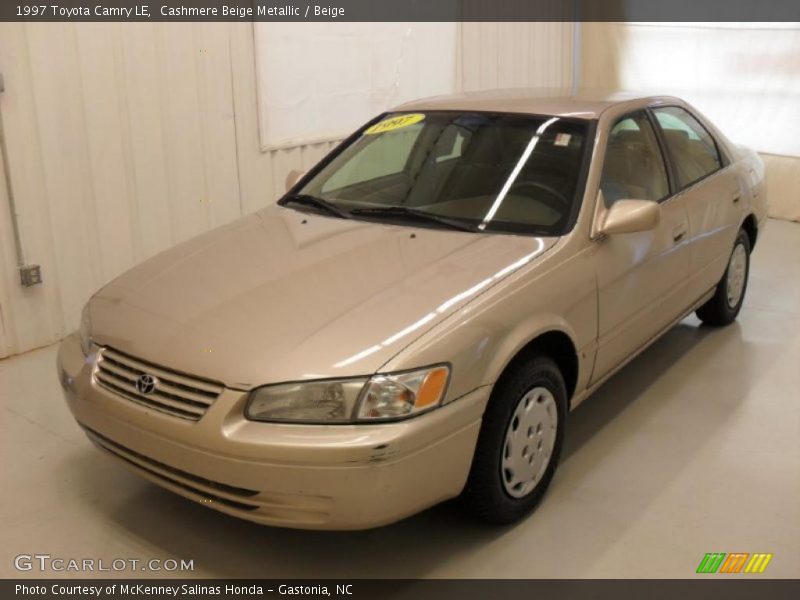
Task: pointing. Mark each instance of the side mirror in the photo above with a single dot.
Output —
(292, 178)
(631, 216)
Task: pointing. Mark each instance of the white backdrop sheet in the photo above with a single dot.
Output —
(744, 76)
(322, 80)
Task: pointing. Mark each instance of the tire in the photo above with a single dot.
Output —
(723, 307)
(536, 388)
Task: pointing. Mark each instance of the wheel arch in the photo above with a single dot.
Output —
(557, 345)
(750, 227)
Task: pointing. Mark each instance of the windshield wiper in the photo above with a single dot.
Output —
(314, 202)
(420, 215)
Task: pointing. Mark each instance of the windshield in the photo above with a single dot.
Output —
(473, 171)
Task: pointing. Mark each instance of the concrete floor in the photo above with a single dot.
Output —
(692, 448)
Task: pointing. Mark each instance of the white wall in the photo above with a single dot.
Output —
(125, 139)
(503, 55)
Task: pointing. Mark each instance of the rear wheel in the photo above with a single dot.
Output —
(519, 443)
(723, 307)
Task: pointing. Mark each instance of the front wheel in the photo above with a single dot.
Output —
(519, 443)
(723, 307)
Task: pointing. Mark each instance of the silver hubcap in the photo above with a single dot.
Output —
(737, 270)
(529, 442)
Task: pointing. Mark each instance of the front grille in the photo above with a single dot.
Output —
(174, 393)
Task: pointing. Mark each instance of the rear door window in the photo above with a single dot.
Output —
(692, 148)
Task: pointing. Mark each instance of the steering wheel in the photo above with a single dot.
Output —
(555, 199)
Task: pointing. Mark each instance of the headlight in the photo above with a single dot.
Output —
(85, 330)
(381, 397)
(403, 394)
(313, 401)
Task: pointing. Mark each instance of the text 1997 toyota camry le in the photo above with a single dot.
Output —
(416, 317)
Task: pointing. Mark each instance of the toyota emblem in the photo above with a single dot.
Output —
(145, 384)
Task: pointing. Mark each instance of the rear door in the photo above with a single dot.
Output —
(710, 190)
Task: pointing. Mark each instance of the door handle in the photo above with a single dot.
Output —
(736, 198)
(678, 234)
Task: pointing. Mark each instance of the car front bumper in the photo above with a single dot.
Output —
(304, 476)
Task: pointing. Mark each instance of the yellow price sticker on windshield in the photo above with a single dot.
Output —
(393, 123)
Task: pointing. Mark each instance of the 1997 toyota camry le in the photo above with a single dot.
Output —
(416, 317)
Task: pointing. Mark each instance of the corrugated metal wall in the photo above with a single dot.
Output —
(125, 139)
(504, 55)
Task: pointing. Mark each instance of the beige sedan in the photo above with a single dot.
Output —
(416, 317)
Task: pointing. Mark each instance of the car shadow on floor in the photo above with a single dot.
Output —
(223, 546)
(621, 390)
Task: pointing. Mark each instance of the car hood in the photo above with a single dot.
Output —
(283, 295)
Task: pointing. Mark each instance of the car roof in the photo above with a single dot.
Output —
(556, 102)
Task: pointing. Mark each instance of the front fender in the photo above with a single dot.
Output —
(485, 336)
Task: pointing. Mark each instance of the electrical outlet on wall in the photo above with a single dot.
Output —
(30, 275)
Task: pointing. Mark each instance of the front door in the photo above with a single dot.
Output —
(641, 277)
